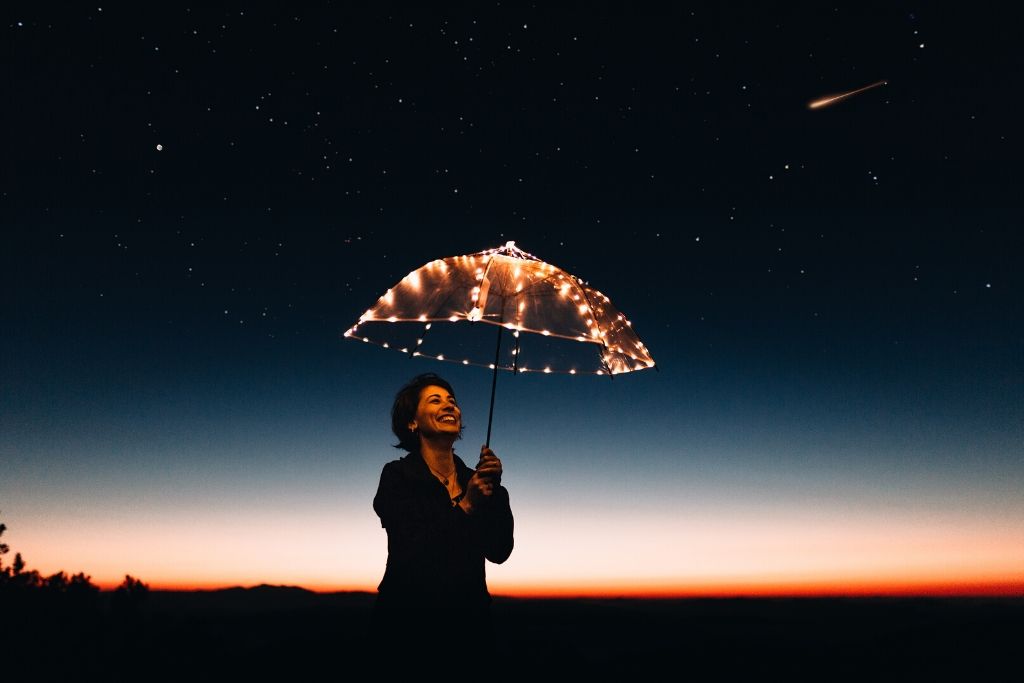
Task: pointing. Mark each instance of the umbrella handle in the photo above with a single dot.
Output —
(494, 384)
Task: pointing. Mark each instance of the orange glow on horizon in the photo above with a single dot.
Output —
(686, 550)
(1013, 588)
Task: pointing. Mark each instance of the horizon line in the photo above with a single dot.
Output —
(994, 589)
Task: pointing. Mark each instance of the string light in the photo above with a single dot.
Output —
(516, 279)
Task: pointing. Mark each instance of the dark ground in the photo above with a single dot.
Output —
(295, 634)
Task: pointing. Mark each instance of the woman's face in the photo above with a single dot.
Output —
(437, 413)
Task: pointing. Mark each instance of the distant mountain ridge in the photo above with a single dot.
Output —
(253, 599)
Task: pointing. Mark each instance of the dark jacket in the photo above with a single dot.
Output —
(436, 551)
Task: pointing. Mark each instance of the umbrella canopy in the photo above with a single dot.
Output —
(514, 290)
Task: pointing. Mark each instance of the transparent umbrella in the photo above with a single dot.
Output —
(444, 309)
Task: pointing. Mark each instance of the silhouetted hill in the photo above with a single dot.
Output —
(254, 599)
(290, 631)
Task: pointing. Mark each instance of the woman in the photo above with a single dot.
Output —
(442, 518)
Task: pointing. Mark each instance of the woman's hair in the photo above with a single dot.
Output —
(404, 408)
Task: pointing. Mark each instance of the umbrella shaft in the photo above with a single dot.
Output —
(494, 385)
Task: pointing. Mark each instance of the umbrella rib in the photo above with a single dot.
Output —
(604, 344)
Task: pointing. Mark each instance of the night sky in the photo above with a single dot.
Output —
(197, 202)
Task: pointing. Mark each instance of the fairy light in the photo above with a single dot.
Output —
(610, 329)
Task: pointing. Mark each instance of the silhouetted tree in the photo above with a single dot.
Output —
(19, 564)
(4, 549)
(56, 583)
(129, 595)
(76, 592)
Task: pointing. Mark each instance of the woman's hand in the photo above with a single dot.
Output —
(483, 482)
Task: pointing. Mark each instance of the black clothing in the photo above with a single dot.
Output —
(436, 551)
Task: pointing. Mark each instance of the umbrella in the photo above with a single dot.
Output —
(451, 301)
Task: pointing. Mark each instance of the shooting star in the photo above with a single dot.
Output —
(832, 99)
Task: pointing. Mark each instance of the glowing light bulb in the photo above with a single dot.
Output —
(440, 356)
(475, 314)
(423, 318)
(392, 319)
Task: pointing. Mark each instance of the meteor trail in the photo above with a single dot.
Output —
(832, 99)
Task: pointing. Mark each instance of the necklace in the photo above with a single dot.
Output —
(442, 477)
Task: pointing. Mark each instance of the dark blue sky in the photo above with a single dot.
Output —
(198, 202)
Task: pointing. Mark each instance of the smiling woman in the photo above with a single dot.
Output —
(442, 518)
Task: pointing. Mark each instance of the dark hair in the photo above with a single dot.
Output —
(403, 410)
